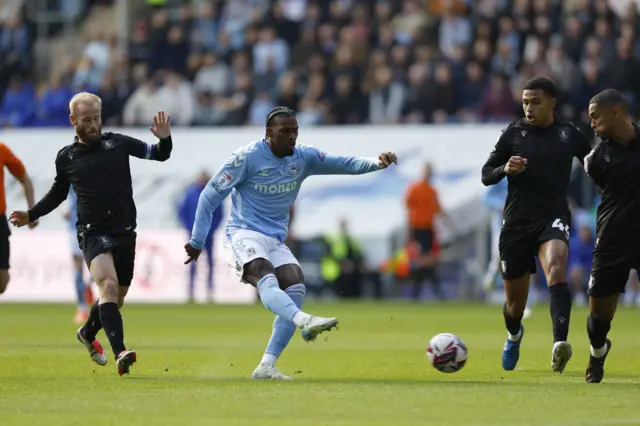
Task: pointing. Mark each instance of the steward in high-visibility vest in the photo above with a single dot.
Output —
(338, 247)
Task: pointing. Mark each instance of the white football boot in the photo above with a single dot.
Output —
(315, 326)
(94, 348)
(266, 371)
(560, 356)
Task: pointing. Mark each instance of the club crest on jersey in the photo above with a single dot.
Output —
(251, 252)
(293, 170)
(564, 135)
(321, 155)
(523, 133)
(107, 144)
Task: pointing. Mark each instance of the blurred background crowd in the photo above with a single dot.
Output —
(217, 62)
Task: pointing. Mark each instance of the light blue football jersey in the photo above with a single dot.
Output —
(263, 187)
(73, 208)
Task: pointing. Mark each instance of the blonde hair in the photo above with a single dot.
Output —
(83, 97)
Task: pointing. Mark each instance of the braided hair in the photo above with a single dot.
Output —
(280, 111)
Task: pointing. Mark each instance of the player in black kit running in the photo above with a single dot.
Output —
(97, 165)
(614, 165)
(536, 154)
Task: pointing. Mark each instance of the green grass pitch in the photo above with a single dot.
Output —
(194, 364)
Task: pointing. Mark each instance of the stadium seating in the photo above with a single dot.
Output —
(214, 63)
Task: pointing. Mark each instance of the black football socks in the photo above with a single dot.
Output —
(598, 328)
(93, 324)
(513, 324)
(112, 324)
(560, 309)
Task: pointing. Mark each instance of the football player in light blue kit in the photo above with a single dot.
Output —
(264, 178)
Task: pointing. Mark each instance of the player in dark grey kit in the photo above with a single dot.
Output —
(614, 165)
(96, 164)
(536, 154)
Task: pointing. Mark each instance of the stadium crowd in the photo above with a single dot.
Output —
(335, 61)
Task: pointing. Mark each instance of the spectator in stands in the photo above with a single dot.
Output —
(53, 106)
(213, 77)
(470, 91)
(18, 106)
(270, 53)
(177, 98)
(143, 100)
(139, 44)
(387, 98)
(348, 105)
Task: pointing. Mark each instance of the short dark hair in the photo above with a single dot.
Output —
(280, 111)
(542, 83)
(609, 98)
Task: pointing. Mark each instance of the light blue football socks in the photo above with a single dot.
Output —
(283, 329)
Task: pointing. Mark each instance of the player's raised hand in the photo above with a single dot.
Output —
(19, 218)
(192, 253)
(515, 165)
(386, 159)
(161, 125)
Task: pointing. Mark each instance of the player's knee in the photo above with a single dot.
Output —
(289, 275)
(557, 272)
(516, 308)
(108, 289)
(256, 269)
(4, 280)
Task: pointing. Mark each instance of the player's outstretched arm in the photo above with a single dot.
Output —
(52, 199)
(160, 151)
(232, 173)
(320, 163)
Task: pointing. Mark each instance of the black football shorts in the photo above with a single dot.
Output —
(610, 272)
(520, 242)
(121, 246)
(5, 233)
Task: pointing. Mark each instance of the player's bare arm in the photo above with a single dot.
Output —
(29, 195)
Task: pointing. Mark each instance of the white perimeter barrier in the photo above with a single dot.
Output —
(42, 270)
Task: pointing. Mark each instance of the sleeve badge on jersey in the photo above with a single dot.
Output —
(225, 178)
(321, 155)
